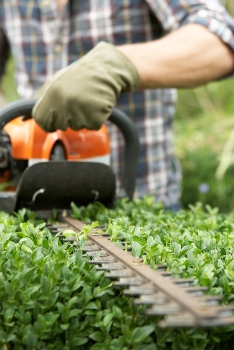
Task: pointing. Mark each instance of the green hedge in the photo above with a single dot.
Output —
(51, 298)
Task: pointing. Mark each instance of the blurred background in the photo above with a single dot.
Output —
(204, 138)
(204, 142)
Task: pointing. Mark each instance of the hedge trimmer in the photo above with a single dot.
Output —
(56, 184)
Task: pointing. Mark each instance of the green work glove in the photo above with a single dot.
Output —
(82, 95)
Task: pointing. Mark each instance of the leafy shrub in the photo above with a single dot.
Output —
(196, 242)
(51, 298)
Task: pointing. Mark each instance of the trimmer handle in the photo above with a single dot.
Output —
(117, 117)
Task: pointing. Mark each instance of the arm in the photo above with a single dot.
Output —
(106, 71)
(188, 57)
(195, 51)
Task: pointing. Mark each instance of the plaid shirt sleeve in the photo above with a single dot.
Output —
(211, 14)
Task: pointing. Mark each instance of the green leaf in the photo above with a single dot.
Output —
(207, 272)
(66, 273)
(45, 285)
(229, 273)
(91, 306)
(104, 282)
(80, 341)
(107, 319)
(27, 272)
(136, 249)
(32, 290)
(117, 312)
(75, 312)
(26, 248)
(52, 300)
(31, 341)
(141, 333)
(9, 313)
(79, 258)
(69, 233)
(51, 318)
(71, 302)
(65, 326)
(77, 285)
(10, 338)
(97, 336)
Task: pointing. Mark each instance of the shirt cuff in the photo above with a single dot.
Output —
(222, 26)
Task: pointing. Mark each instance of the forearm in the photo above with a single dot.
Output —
(189, 57)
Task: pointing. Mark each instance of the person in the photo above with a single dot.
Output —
(84, 57)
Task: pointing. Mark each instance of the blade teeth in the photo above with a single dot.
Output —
(87, 243)
(100, 253)
(210, 301)
(146, 289)
(110, 267)
(169, 308)
(220, 322)
(161, 267)
(183, 282)
(132, 281)
(59, 226)
(180, 320)
(77, 244)
(91, 248)
(102, 260)
(153, 299)
(195, 291)
(119, 273)
(225, 311)
(166, 274)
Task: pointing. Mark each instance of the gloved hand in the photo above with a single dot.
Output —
(83, 94)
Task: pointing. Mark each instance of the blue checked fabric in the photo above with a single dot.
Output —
(44, 41)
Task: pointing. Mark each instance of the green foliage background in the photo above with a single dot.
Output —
(203, 128)
(204, 138)
(204, 141)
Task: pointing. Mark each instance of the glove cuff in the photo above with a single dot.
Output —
(125, 71)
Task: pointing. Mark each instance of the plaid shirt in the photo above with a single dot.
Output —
(44, 41)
